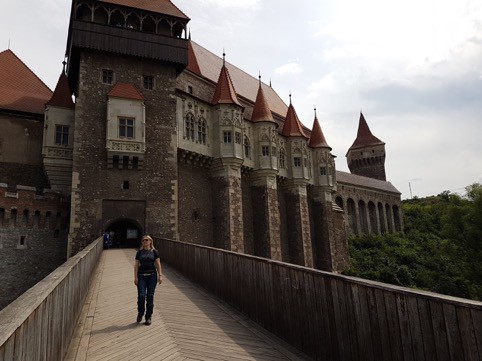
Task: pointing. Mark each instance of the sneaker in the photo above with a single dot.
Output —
(139, 318)
(148, 321)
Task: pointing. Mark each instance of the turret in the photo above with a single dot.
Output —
(265, 132)
(366, 156)
(323, 160)
(296, 145)
(58, 136)
(228, 118)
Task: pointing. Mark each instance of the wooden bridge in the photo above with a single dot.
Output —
(207, 307)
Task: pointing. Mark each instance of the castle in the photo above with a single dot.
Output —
(166, 138)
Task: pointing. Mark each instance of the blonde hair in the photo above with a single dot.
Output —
(151, 242)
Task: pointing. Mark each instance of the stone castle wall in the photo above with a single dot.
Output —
(33, 238)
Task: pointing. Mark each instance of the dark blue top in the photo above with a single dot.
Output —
(147, 259)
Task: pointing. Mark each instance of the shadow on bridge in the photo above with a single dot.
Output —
(187, 322)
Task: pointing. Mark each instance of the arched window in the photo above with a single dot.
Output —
(201, 131)
(100, 15)
(339, 202)
(190, 126)
(117, 19)
(133, 22)
(247, 147)
(282, 158)
(84, 12)
(149, 25)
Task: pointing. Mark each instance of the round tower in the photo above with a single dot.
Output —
(366, 156)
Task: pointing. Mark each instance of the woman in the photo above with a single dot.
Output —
(145, 277)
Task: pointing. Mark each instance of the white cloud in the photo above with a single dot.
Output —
(234, 3)
(289, 68)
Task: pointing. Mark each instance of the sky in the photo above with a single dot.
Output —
(413, 67)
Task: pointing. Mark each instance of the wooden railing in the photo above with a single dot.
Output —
(334, 317)
(39, 324)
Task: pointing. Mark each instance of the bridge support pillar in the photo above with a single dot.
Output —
(298, 223)
(266, 217)
(329, 236)
(227, 204)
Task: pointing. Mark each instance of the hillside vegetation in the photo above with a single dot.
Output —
(440, 251)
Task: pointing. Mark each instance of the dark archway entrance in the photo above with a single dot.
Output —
(124, 233)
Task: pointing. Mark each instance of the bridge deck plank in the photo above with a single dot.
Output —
(187, 324)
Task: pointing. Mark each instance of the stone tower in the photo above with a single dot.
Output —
(123, 60)
(295, 189)
(366, 156)
(330, 248)
(264, 187)
(226, 166)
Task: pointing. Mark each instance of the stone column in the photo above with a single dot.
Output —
(330, 238)
(297, 217)
(227, 204)
(266, 217)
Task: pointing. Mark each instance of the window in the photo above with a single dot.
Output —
(322, 170)
(247, 147)
(148, 82)
(190, 127)
(237, 137)
(107, 76)
(297, 161)
(126, 128)
(22, 242)
(189, 89)
(227, 137)
(265, 150)
(125, 185)
(61, 135)
(201, 131)
(282, 158)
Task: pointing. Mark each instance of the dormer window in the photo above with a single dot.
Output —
(297, 161)
(107, 76)
(126, 128)
(322, 170)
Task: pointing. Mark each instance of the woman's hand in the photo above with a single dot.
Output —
(159, 279)
(135, 281)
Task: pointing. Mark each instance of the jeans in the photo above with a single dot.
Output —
(146, 285)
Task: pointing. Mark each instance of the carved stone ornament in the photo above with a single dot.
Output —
(64, 153)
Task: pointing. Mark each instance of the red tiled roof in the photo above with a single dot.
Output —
(358, 180)
(156, 6)
(209, 66)
(292, 125)
(20, 89)
(225, 93)
(364, 136)
(261, 111)
(127, 91)
(62, 94)
(317, 139)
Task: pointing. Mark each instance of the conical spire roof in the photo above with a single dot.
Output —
(292, 125)
(364, 137)
(261, 110)
(62, 96)
(225, 93)
(317, 139)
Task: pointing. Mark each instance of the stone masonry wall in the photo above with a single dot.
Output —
(195, 205)
(156, 183)
(33, 239)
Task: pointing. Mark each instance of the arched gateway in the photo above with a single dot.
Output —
(125, 233)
